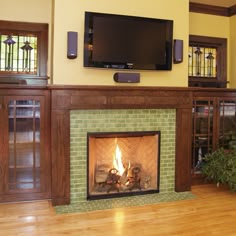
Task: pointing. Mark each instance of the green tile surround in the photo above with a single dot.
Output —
(118, 120)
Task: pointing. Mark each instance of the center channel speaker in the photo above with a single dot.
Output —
(123, 77)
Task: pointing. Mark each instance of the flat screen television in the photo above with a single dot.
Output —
(127, 42)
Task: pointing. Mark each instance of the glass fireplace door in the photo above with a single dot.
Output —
(123, 163)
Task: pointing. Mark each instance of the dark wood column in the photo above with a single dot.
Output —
(183, 150)
(60, 151)
(60, 148)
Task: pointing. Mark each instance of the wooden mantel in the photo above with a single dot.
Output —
(66, 98)
(99, 97)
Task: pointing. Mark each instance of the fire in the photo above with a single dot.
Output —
(117, 161)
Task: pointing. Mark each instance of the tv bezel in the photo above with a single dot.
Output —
(88, 62)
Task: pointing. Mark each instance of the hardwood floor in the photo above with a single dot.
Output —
(212, 212)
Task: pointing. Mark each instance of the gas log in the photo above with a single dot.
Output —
(112, 181)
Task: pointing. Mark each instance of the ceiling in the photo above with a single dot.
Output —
(220, 3)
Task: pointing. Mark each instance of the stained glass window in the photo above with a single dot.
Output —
(19, 53)
(202, 61)
(23, 52)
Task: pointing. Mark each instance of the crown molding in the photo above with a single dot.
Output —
(212, 10)
(232, 10)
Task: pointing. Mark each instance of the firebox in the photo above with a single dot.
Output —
(122, 164)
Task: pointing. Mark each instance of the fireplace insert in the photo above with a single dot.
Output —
(122, 163)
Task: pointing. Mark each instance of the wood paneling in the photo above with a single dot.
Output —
(65, 98)
(110, 97)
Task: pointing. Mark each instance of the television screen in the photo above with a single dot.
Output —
(127, 42)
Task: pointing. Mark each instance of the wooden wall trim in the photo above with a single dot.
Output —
(208, 9)
(212, 10)
(232, 10)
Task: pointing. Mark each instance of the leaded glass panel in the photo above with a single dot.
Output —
(18, 53)
(202, 62)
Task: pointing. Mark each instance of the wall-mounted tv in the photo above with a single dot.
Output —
(127, 42)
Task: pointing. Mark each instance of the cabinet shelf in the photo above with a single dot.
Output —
(24, 117)
(27, 137)
(202, 137)
(23, 106)
(24, 167)
(202, 115)
(24, 114)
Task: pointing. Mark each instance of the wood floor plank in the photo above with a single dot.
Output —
(212, 212)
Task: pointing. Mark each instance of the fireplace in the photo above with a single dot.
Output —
(122, 163)
(80, 110)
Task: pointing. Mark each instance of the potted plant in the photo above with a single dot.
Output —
(220, 167)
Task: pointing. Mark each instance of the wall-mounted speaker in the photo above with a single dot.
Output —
(178, 51)
(72, 41)
(121, 77)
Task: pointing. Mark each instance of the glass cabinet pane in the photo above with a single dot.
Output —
(202, 140)
(227, 124)
(24, 144)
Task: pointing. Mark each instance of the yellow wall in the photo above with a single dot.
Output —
(209, 25)
(69, 16)
(38, 11)
(65, 16)
(233, 51)
(213, 26)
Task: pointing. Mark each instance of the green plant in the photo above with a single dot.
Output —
(220, 167)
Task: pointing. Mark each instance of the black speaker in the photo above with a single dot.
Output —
(178, 51)
(122, 77)
(72, 41)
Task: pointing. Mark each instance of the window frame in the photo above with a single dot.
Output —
(221, 61)
(39, 29)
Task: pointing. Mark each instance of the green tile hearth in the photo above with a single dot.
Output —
(139, 200)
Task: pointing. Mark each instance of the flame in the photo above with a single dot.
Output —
(117, 161)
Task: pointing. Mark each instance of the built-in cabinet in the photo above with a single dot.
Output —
(25, 165)
(214, 126)
(35, 132)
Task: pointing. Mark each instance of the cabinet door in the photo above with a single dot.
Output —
(227, 123)
(2, 148)
(27, 167)
(203, 131)
(214, 126)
